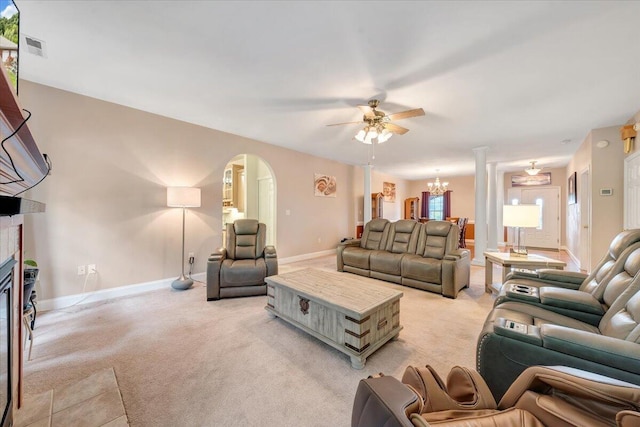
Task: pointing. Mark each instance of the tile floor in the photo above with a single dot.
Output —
(94, 401)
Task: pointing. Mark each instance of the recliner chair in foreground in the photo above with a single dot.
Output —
(517, 335)
(553, 396)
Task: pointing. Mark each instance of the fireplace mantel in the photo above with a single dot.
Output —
(30, 164)
(22, 166)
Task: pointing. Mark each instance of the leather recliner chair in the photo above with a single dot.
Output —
(517, 335)
(588, 305)
(574, 279)
(554, 396)
(240, 269)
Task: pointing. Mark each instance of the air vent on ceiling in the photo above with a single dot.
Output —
(35, 46)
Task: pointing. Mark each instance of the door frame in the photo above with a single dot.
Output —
(628, 199)
(519, 190)
(584, 203)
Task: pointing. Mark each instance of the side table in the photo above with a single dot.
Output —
(507, 261)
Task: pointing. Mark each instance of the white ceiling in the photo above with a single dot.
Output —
(517, 77)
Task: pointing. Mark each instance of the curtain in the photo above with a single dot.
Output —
(424, 211)
(446, 204)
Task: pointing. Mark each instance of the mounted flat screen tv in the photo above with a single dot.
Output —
(10, 39)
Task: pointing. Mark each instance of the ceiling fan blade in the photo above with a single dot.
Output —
(368, 111)
(396, 129)
(345, 123)
(406, 114)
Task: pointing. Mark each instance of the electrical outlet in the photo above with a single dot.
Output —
(81, 270)
(91, 269)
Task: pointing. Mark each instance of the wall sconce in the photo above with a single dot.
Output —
(628, 134)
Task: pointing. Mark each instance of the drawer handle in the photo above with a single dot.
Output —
(382, 323)
(304, 305)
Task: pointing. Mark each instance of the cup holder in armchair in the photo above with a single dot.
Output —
(523, 292)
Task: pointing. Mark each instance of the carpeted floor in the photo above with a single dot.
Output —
(183, 361)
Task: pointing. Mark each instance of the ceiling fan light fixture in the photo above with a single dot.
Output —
(369, 138)
(361, 135)
(384, 136)
(532, 170)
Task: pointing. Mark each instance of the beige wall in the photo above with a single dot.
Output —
(605, 168)
(392, 211)
(106, 196)
(463, 194)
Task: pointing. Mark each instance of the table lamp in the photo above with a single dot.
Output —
(183, 197)
(520, 217)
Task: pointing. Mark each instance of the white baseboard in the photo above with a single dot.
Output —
(120, 291)
(571, 255)
(105, 294)
(305, 257)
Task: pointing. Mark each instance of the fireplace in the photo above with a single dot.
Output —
(6, 323)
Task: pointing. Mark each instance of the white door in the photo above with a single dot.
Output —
(584, 201)
(632, 191)
(547, 235)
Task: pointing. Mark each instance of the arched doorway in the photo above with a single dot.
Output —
(249, 191)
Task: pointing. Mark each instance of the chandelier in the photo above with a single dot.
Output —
(437, 188)
(373, 131)
(532, 170)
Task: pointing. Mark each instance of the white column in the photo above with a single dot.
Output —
(366, 215)
(492, 241)
(480, 233)
(499, 204)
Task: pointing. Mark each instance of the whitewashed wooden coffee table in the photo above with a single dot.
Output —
(353, 314)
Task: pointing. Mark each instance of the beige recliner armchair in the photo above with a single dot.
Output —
(554, 396)
(239, 269)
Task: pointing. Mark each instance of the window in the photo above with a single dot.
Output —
(539, 203)
(436, 207)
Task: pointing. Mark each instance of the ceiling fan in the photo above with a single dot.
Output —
(378, 124)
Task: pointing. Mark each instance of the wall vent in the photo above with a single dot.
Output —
(35, 46)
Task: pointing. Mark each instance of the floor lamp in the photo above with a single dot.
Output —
(520, 217)
(183, 197)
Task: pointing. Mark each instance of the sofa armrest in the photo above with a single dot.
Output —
(456, 272)
(570, 299)
(457, 254)
(573, 277)
(604, 350)
(218, 255)
(383, 401)
(340, 249)
(522, 273)
(350, 242)
(213, 273)
(548, 277)
(270, 252)
(271, 259)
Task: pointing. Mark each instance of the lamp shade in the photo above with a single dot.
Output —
(521, 215)
(183, 197)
